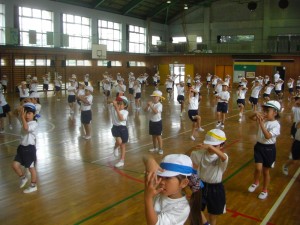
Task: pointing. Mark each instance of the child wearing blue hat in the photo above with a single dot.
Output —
(165, 202)
(26, 152)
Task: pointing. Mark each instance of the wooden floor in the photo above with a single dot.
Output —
(77, 183)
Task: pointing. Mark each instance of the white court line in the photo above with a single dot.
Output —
(9, 142)
(133, 149)
(281, 197)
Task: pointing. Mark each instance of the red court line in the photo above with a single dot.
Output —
(125, 175)
(236, 214)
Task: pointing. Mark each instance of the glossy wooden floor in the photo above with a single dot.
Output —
(77, 183)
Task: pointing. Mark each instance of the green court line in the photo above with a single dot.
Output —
(139, 192)
(107, 208)
(237, 171)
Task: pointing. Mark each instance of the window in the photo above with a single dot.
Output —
(156, 40)
(137, 39)
(110, 34)
(42, 62)
(138, 64)
(84, 63)
(104, 63)
(34, 25)
(29, 62)
(178, 40)
(199, 39)
(2, 24)
(3, 63)
(234, 38)
(19, 62)
(78, 29)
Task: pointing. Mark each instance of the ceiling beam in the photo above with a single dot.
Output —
(98, 3)
(130, 6)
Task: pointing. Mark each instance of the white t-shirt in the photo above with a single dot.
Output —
(255, 91)
(115, 118)
(274, 128)
(24, 93)
(169, 83)
(268, 89)
(296, 114)
(29, 137)
(210, 167)
(180, 90)
(224, 95)
(87, 106)
(194, 102)
(171, 211)
(276, 77)
(155, 117)
(3, 101)
(71, 90)
(241, 94)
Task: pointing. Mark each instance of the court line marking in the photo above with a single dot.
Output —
(280, 198)
(7, 142)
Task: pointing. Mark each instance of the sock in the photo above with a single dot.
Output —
(32, 184)
(265, 190)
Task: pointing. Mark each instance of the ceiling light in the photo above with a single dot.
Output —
(252, 6)
(283, 4)
(185, 6)
(169, 2)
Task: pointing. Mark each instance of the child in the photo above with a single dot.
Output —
(155, 108)
(241, 95)
(193, 112)
(256, 88)
(295, 115)
(86, 79)
(267, 91)
(86, 112)
(119, 130)
(211, 163)
(295, 151)
(164, 200)
(137, 91)
(290, 85)
(265, 149)
(57, 87)
(5, 109)
(4, 82)
(26, 152)
(180, 96)
(72, 96)
(222, 106)
(23, 91)
(169, 87)
(46, 81)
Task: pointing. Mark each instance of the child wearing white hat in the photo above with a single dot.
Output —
(164, 200)
(154, 108)
(211, 163)
(265, 148)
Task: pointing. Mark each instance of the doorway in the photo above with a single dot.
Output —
(178, 70)
(281, 70)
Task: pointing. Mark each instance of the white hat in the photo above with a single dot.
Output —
(156, 93)
(122, 99)
(73, 75)
(34, 78)
(225, 84)
(89, 88)
(176, 164)
(28, 75)
(23, 82)
(71, 80)
(273, 104)
(214, 137)
(30, 105)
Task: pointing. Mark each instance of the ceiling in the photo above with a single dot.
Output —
(155, 10)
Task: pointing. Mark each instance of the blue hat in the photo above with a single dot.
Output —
(176, 164)
(30, 105)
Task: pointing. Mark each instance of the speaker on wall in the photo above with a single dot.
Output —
(128, 64)
(63, 63)
(52, 62)
(108, 64)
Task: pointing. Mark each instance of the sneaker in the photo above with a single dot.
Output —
(222, 126)
(10, 126)
(119, 164)
(200, 129)
(23, 181)
(160, 151)
(116, 152)
(153, 149)
(253, 187)
(87, 137)
(30, 189)
(192, 137)
(218, 124)
(285, 170)
(240, 114)
(240, 119)
(263, 195)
